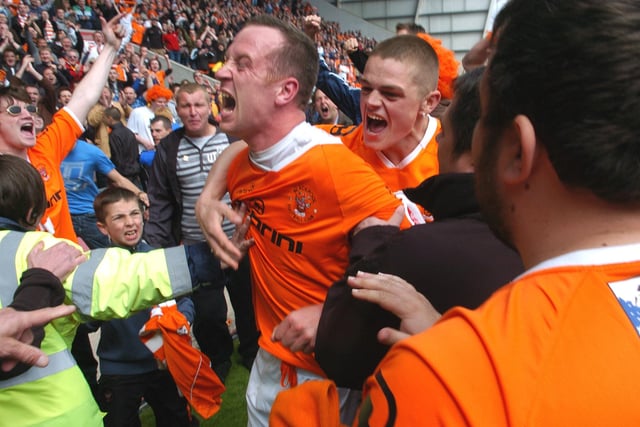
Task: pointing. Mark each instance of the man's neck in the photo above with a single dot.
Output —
(582, 222)
(210, 131)
(276, 130)
(397, 153)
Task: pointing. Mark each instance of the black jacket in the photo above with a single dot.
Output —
(454, 261)
(163, 227)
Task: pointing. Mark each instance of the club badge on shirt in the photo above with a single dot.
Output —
(301, 204)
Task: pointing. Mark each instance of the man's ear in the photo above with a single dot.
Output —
(102, 228)
(31, 221)
(430, 102)
(287, 91)
(519, 151)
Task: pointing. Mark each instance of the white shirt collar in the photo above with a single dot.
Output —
(301, 139)
(589, 257)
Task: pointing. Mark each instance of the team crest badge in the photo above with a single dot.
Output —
(302, 204)
(43, 172)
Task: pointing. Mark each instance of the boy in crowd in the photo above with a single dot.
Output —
(129, 372)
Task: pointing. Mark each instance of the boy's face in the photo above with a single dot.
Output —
(123, 223)
(390, 103)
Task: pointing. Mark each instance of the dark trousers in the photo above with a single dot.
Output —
(82, 352)
(240, 295)
(121, 395)
(210, 327)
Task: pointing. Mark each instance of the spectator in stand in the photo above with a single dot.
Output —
(157, 75)
(68, 10)
(326, 111)
(60, 21)
(171, 41)
(64, 96)
(56, 78)
(131, 98)
(98, 131)
(48, 27)
(137, 36)
(107, 9)
(65, 44)
(44, 59)
(46, 104)
(95, 46)
(85, 15)
(201, 56)
(20, 22)
(113, 83)
(152, 38)
(123, 146)
(73, 69)
(140, 118)
(9, 65)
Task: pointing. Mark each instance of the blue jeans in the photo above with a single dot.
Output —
(86, 228)
(175, 55)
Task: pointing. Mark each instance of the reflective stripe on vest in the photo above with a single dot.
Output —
(82, 286)
(9, 278)
(58, 362)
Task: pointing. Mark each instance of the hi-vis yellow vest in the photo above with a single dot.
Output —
(111, 284)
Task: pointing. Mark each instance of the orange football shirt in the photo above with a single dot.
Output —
(301, 219)
(557, 347)
(52, 146)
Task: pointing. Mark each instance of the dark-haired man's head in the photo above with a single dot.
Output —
(458, 122)
(23, 197)
(160, 127)
(569, 97)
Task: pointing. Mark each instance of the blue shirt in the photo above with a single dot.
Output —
(78, 171)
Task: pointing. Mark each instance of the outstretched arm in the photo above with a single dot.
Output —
(346, 98)
(16, 336)
(88, 90)
(123, 182)
(211, 211)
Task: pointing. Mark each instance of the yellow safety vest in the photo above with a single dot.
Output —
(111, 284)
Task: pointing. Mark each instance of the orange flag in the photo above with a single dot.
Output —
(167, 335)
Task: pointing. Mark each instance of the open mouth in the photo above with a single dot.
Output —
(375, 123)
(27, 128)
(131, 234)
(227, 101)
(324, 110)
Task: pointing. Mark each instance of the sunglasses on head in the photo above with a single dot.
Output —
(14, 110)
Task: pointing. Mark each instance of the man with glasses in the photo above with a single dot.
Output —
(46, 152)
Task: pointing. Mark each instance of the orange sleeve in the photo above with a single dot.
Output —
(390, 399)
(351, 136)
(366, 196)
(52, 146)
(59, 138)
(311, 403)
